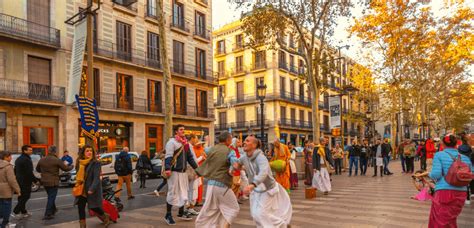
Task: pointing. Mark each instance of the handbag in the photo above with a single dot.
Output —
(173, 162)
(78, 190)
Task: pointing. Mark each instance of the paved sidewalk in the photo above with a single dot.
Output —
(360, 201)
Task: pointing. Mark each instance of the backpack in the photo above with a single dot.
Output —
(459, 173)
(120, 166)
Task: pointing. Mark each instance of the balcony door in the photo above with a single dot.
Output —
(240, 118)
(124, 91)
(240, 91)
(39, 12)
(222, 120)
(39, 78)
(178, 57)
(293, 116)
(201, 103)
(200, 63)
(124, 41)
(179, 100)
(154, 96)
(178, 14)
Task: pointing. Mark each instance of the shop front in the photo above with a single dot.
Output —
(114, 136)
(40, 132)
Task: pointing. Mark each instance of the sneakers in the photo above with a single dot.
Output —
(12, 225)
(185, 216)
(131, 197)
(16, 216)
(157, 194)
(192, 212)
(26, 215)
(169, 220)
(468, 202)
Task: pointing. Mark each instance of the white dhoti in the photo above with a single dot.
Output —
(379, 161)
(193, 190)
(322, 180)
(177, 189)
(271, 208)
(220, 207)
(244, 181)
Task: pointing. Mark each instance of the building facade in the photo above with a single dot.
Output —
(128, 75)
(287, 110)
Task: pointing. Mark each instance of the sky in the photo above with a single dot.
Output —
(223, 12)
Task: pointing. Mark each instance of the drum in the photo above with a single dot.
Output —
(310, 193)
(278, 166)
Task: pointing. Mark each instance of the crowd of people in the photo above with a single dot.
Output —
(264, 177)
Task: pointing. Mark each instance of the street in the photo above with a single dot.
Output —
(360, 201)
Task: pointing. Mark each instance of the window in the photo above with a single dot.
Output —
(292, 42)
(282, 59)
(154, 96)
(39, 77)
(326, 122)
(178, 15)
(301, 67)
(292, 88)
(283, 113)
(259, 60)
(124, 41)
(310, 118)
(200, 25)
(179, 100)
(94, 28)
(221, 68)
(326, 100)
(220, 94)
(201, 103)
(240, 91)
(292, 63)
(239, 64)
(239, 41)
(124, 91)
(223, 120)
(282, 86)
(39, 12)
(258, 81)
(241, 118)
(302, 117)
(259, 115)
(151, 9)
(293, 116)
(301, 91)
(200, 63)
(221, 47)
(95, 85)
(153, 50)
(178, 57)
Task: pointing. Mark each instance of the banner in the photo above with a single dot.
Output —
(77, 57)
(89, 116)
(334, 112)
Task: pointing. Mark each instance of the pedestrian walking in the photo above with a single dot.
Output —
(430, 151)
(364, 157)
(143, 168)
(194, 181)
(386, 153)
(354, 155)
(49, 167)
(400, 150)
(164, 181)
(338, 155)
(221, 206)
(466, 150)
(178, 155)
(123, 169)
(25, 178)
(294, 173)
(409, 152)
(236, 175)
(282, 153)
(8, 187)
(201, 156)
(321, 167)
(89, 185)
(421, 152)
(448, 199)
(67, 158)
(270, 205)
(378, 158)
(308, 162)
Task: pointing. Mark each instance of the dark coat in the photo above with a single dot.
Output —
(143, 163)
(181, 162)
(128, 161)
(49, 168)
(317, 158)
(24, 171)
(354, 151)
(386, 149)
(93, 183)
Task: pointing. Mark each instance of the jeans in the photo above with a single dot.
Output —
(402, 160)
(25, 196)
(81, 207)
(386, 161)
(165, 181)
(353, 160)
(338, 165)
(423, 162)
(363, 165)
(142, 180)
(410, 162)
(51, 205)
(5, 210)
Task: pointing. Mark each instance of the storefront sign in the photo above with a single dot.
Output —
(334, 112)
(75, 71)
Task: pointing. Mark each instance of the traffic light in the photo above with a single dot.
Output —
(336, 131)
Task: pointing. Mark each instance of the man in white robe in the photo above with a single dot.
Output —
(270, 204)
(321, 166)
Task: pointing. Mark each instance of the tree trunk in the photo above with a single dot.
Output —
(313, 77)
(168, 129)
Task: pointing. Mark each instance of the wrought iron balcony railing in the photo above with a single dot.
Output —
(259, 65)
(151, 11)
(179, 23)
(202, 32)
(21, 29)
(31, 91)
(295, 123)
(179, 67)
(283, 66)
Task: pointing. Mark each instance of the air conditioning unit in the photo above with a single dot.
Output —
(124, 2)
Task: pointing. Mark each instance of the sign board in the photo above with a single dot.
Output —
(77, 57)
(334, 112)
(89, 116)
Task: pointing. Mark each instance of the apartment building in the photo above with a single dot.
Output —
(287, 110)
(128, 76)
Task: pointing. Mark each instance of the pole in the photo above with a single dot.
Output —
(342, 122)
(262, 127)
(90, 62)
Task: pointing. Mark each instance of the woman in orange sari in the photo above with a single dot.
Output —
(282, 153)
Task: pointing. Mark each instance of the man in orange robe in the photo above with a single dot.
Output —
(282, 153)
(201, 156)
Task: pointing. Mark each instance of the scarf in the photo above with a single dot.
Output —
(80, 176)
(181, 140)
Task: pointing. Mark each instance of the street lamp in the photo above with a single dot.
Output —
(261, 90)
(369, 118)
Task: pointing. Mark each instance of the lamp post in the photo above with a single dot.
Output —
(261, 90)
(369, 125)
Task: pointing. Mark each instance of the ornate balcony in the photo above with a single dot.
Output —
(31, 91)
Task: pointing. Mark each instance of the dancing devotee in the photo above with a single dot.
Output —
(220, 207)
(270, 205)
(282, 153)
(322, 165)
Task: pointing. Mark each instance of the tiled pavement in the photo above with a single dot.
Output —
(360, 201)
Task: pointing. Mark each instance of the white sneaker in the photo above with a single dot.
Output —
(16, 216)
(191, 211)
(468, 202)
(10, 225)
(156, 193)
(26, 215)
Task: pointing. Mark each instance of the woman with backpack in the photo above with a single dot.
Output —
(450, 190)
(143, 167)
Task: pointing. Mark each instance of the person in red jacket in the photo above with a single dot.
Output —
(430, 150)
(236, 174)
